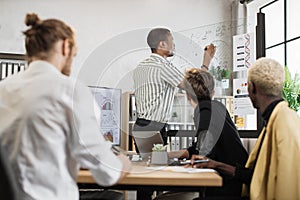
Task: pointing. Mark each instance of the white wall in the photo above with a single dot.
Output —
(110, 31)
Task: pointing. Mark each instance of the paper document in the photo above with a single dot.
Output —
(188, 170)
(181, 169)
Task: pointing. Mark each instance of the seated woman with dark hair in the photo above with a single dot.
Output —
(216, 135)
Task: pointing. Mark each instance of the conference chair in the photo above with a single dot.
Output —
(100, 194)
(8, 184)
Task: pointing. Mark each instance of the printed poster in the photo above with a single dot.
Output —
(241, 102)
(243, 51)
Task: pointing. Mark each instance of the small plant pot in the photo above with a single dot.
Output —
(159, 158)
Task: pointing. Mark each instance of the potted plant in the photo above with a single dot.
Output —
(291, 89)
(174, 117)
(222, 79)
(220, 73)
(159, 155)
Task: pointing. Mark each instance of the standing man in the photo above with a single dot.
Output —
(47, 122)
(156, 80)
(273, 168)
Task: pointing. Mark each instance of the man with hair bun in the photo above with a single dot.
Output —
(273, 168)
(48, 124)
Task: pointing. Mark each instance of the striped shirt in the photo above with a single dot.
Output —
(155, 82)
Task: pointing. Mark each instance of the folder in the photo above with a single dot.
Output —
(177, 143)
(15, 68)
(22, 66)
(3, 70)
(183, 142)
(133, 109)
(9, 69)
(190, 141)
(172, 147)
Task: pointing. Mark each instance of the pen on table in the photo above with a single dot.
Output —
(201, 161)
(195, 161)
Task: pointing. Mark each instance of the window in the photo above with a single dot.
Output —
(282, 32)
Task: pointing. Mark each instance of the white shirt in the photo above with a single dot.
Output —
(49, 128)
(155, 83)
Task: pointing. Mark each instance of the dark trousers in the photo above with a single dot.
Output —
(148, 125)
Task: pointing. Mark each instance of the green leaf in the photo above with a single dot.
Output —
(291, 89)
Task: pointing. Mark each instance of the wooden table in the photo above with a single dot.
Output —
(164, 179)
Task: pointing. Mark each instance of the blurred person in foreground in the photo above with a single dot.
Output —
(48, 123)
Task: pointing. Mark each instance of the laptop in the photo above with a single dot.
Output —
(145, 140)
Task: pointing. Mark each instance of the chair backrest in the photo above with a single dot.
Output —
(8, 185)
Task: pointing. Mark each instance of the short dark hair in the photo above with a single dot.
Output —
(155, 36)
(199, 84)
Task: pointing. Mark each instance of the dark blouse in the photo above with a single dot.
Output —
(218, 139)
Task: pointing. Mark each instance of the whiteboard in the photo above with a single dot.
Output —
(108, 20)
(112, 64)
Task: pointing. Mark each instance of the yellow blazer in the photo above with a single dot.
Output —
(277, 171)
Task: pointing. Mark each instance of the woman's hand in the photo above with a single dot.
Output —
(209, 164)
(225, 168)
